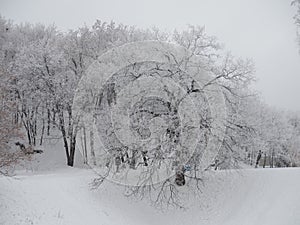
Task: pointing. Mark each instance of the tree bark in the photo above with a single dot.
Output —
(43, 128)
(85, 158)
(92, 148)
(68, 134)
(48, 121)
(265, 160)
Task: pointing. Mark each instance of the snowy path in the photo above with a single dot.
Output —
(251, 197)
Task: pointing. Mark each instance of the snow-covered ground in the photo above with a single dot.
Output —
(264, 197)
(41, 196)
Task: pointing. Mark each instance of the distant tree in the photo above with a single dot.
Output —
(296, 3)
(8, 130)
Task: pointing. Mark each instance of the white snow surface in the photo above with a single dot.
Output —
(64, 196)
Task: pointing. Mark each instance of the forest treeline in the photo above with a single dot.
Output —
(40, 68)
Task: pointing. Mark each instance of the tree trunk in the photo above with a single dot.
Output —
(70, 161)
(85, 158)
(54, 117)
(92, 147)
(265, 160)
(64, 136)
(271, 159)
(48, 121)
(72, 150)
(25, 123)
(70, 134)
(43, 131)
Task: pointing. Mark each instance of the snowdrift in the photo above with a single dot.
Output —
(243, 197)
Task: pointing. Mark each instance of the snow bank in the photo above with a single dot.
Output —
(249, 197)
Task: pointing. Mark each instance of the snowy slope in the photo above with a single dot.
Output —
(250, 197)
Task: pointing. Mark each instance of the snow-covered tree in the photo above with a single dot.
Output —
(43, 67)
(9, 130)
(296, 3)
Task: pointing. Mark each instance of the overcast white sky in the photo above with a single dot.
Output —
(263, 30)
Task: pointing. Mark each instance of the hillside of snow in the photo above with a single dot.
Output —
(46, 192)
(64, 196)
